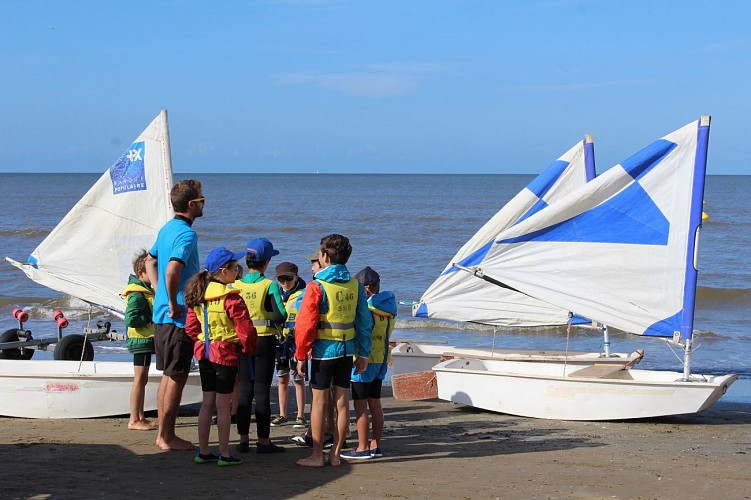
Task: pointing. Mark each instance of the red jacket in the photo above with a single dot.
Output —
(225, 353)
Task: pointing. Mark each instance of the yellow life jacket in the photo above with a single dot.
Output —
(339, 322)
(143, 332)
(221, 327)
(291, 307)
(254, 295)
(383, 325)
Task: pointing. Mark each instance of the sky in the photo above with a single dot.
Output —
(336, 86)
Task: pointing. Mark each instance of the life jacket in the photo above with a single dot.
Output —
(292, 310)
(339, 322)
(254, 295)
(383, 325)
(147, 331)
(221, 328)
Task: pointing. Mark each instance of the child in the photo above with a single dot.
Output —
(139, 299)
(366, 386)
(286, 366)
(333, 318)
(219, 324)
(263, 299)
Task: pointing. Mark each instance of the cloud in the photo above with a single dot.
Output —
(579, 86)
(375, 80)
(725, 45)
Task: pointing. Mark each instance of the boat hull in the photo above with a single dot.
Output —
(410, 357)
(552, 391)
(61, 389)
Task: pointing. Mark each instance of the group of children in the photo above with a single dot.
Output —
(334, 330)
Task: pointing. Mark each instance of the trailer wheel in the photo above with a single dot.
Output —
(12, 336)
(70, 348)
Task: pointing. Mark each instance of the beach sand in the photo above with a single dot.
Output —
(432, 449)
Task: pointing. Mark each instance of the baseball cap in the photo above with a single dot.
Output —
(260, 249)
(314, 256)
(286, 269)
(218, 257)
(368, 277)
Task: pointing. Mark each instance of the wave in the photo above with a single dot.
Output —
(24, 231)
(723, 297)
(42, 308)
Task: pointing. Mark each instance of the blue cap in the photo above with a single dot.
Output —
(260, 249)
(218, 257)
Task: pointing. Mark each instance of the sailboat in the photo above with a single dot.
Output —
(622, 250)
(88, 255)
(457, 295)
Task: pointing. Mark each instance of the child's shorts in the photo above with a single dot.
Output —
(217, 378)
(366, 390)
(325, 372)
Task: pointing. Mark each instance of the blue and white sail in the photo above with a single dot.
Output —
(459, 296)
(621, 249)
(89, 254)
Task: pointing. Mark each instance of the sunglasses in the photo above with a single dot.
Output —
(198, 200)
(284, 279)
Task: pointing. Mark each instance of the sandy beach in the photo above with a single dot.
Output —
(432, 449)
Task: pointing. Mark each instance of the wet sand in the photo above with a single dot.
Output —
(432, 449)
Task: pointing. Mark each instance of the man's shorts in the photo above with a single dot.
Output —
(324, 372)
(174, 349)
(366, 390)
(217, 378)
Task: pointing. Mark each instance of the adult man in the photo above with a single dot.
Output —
(172, 260)
(333, 318)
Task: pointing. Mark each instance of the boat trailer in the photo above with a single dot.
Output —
(18, 343)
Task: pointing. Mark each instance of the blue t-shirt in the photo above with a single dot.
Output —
(176, 240)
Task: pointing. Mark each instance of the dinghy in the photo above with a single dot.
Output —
(622, 250)
(460, 296)
(89, 255)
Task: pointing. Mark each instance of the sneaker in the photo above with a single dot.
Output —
(376, 453)
(204, 459)
(303, 440)
(300, 423)
(225, 461)
(278, 421)
(268, 448)
(353, 454)
(243, 447)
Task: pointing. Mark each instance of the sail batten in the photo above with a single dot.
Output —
(89, 254)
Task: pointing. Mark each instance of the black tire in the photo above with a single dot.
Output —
(12, 336)
(71, 346)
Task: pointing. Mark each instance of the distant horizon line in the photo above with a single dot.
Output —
(321, 173)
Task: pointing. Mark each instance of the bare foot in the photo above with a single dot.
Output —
(175, 444)
(311, 461)
(335, 461)
(140, 426)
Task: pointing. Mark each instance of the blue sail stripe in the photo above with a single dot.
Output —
(647, 158)
(547, 179)
(614, 221)
(539, 205)
(472, 259)
(697, 198)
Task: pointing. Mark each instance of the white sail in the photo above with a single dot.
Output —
(622, 248)
(459, 296)
(89, 254)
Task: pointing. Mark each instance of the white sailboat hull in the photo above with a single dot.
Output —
(410, 357)
(549, 391)
(59, 389)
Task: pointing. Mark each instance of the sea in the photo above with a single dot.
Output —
(407, 228)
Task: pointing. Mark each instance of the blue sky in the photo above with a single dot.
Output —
(372, 86)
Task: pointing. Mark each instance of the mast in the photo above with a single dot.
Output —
(692, 256)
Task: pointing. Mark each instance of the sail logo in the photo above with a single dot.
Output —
(128, 173)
